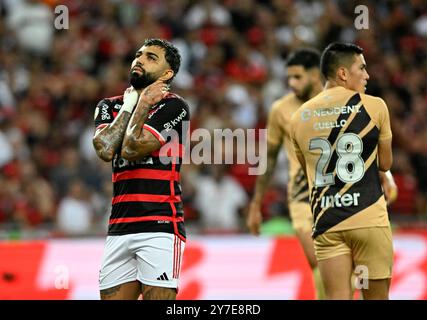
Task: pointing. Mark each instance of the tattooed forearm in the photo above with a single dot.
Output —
(133, 136)
(263, 180)
(108, 139)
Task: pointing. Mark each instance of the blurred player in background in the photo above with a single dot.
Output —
(305, 80)
(146, 235)
(342, 138)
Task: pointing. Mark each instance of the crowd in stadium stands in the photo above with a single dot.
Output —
(51, 181)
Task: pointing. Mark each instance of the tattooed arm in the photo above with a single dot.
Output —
(138, 143)
(262, 181)
(107, 139)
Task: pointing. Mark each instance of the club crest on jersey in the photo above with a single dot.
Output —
(305, 114)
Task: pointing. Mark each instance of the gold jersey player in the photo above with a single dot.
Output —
(305, 80)
(342, 138)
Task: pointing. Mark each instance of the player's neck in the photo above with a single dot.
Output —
(332, 84)
(317, 88)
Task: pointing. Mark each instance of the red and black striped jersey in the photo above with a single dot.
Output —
(147, 192)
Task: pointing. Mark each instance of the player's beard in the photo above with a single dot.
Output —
(141, 81)
(304, 95)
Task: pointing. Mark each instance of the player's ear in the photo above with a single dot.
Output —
(168, 74)
(342, 73)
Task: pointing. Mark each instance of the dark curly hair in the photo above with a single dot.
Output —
(172, 55)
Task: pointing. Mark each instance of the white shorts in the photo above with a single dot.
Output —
(152, 258)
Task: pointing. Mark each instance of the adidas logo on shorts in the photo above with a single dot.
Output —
(163, 277)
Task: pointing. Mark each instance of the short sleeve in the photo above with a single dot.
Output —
(384, 121)
(169, 115)
(293, 130)
(103, 114)
(274, 129)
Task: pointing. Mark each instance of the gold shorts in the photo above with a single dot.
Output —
(370, 247)
(302, 219)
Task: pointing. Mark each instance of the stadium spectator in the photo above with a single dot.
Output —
(75, 213)
(220, 200)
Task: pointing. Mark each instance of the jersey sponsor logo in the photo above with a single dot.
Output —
(306, 114)
(119, 162)
(324, 112)
(338, 200)
(152, 113)
(104, 112)
(170, 124)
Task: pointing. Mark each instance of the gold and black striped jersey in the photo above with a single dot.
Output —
(278, 133)
(337, 132)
